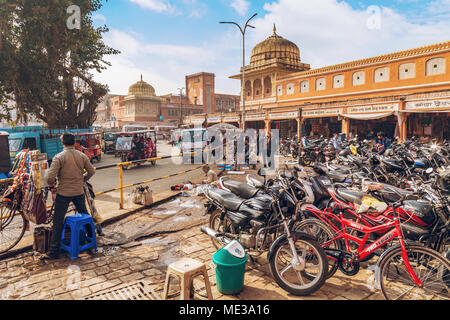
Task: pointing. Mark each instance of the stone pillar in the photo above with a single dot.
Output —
(402, 118)
(345, 126)
(267, 126)
(299, 124)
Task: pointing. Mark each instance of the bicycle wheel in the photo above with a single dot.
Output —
(323, 234)
(12, 227)
(431, 268)
(295, 279)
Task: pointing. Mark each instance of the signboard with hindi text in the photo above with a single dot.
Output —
(431, 104)
(375, 108)
(321, 113)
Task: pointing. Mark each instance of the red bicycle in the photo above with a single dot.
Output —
(404, 271)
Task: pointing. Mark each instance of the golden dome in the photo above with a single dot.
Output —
(141, 89)
(276, 49)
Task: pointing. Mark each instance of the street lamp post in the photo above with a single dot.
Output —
(181, 105)
(243, 30)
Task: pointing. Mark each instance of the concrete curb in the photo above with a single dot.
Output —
(109, 221)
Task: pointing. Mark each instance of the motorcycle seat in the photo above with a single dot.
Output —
(225, 198)
(241, 189)
(255, 181)
(392, 189)
(351, 195)
(392, 163)
(340, 168)
(337, 176)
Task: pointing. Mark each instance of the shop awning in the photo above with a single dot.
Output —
(372, 116)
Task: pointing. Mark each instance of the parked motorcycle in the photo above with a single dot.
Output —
(297, 262)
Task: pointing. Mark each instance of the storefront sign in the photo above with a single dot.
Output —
(432, 104)
(255, 117)
(213, 119)
(321, 113)
(374, 108)
(197, 121)
(231, 119)
(285, 115)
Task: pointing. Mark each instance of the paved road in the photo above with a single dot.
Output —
(109, 178)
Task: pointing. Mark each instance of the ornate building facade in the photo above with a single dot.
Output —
(143, 107)
(402, 94)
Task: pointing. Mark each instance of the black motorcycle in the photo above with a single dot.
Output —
(297, 262)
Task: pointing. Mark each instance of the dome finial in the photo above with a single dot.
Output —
(141, 77)
(274, 29)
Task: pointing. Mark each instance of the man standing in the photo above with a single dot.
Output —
(68, 166)
(336, 145)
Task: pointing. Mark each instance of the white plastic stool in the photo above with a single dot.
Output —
(186, 270)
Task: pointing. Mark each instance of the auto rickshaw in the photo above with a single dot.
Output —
(109, 142)
(90, 144)
(137, 145)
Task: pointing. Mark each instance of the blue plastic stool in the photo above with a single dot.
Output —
(79, 240)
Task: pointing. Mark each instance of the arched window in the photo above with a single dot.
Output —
(338, 81)
(381, 74)
(435, 66)
(359, 78)
(406, 71)
(290, 88)
(304, 86)
(320, 84)
(280, 90)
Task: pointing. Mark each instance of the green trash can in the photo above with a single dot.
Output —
(230, 268)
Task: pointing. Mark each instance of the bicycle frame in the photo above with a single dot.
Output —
(364, 251)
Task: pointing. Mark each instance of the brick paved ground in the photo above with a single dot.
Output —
(26, 277)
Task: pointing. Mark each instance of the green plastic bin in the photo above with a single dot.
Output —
(230, 268)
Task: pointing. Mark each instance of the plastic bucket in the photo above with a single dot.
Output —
(230, 269)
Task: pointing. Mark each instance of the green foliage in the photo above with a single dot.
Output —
(45, 66)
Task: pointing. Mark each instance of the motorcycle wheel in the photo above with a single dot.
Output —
(323, 234)
(296, 282)
(220, 226)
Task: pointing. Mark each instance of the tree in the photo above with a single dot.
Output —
(46, 62)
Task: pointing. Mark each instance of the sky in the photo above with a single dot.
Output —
(165, 40)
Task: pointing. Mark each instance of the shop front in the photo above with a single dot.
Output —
(428, 118)
(234, 120)
(213, 120)
(321, 122)
(369, 120)
(255, 121)
(285, 122)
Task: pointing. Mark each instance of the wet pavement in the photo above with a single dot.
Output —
(140, 248)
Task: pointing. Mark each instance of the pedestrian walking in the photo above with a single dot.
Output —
(67, 170)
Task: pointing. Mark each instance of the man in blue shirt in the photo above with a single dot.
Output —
(336, 145)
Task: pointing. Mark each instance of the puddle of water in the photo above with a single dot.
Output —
(186, 203)
(151, 240)
(167, 212)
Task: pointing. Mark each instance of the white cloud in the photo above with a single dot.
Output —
(241, 6)
(164, 66)
(330, 31)
(99, 17)
(327, 32)
(159, 6)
